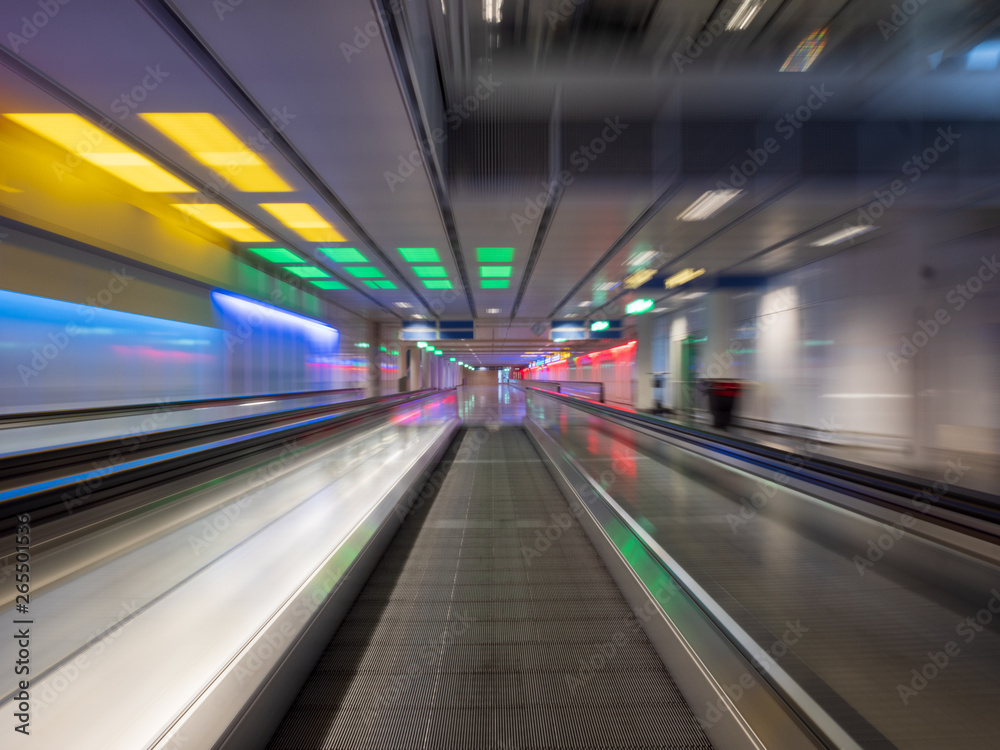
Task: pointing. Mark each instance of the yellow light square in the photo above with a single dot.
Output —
(223, 220)
(92, 144)
(305, 220)
(204, 136)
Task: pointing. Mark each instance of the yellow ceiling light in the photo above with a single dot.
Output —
(304, 219)
(89, 142)
(683, 277)
(223, 220)
(213, 144)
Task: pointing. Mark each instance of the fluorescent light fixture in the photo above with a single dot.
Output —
(744, 15)
(639, 278)
(343, 254)
(419, 254)
(305, 220)
(451, 359)
(421, 344)
(495, 254)
(222, 220)
(329, 284)
(403, 305)
(438, 352)
(494, 283)
(380, 284)
(363, 345)
(92, 144)
(307, 272)
(276, 254)
(709, 204)
(418, 316)
(363, 272)
(437, 284)
(492, 10)
(683, 277)
(642, 258)
(693, 295)
(495, 272)
(243, 309)
(493, 310)
(600, 325)
(430, 272)
(639, 306)
(213, 144)
(843, 234)
(607, 286)
(585, 303)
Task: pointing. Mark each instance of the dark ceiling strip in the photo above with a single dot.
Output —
(71, 101)
(713, 14)
(177, 27)
(549, 212)
(406, 80)
(840, 11)
(640, 221)
(769, 22)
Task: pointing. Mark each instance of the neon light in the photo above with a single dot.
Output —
(639, 306)
(247, 311)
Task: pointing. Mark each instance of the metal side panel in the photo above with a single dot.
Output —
(261, 681)
(735, 705)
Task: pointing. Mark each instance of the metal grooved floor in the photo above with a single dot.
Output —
(461, 640)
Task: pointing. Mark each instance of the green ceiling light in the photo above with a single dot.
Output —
(639, 306)
(430, 272)
(276, 254)
(395, 352)
(451, 359)
(308, 272)
(494, 283)
(421, 344)
(380, 284)
(330, 284)
(496, 272)
(438, 352)
(363, 345)
(495, 254)
(437, 284)
(343, 254)
(419, 254)
(600, 325)
(364, 272)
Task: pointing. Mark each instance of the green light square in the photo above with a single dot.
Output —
(343, 255)
(364, 272)
(430, 272)
(495, 254)
(380, 284)
(276, 254)
(495, 272)
(330, 284)
(438, 284)
(494, 283)
(308, 272)
(419, 254)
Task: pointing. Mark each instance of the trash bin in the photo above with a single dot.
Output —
(722, 396)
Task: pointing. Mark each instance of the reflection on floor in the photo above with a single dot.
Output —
(490, 405)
